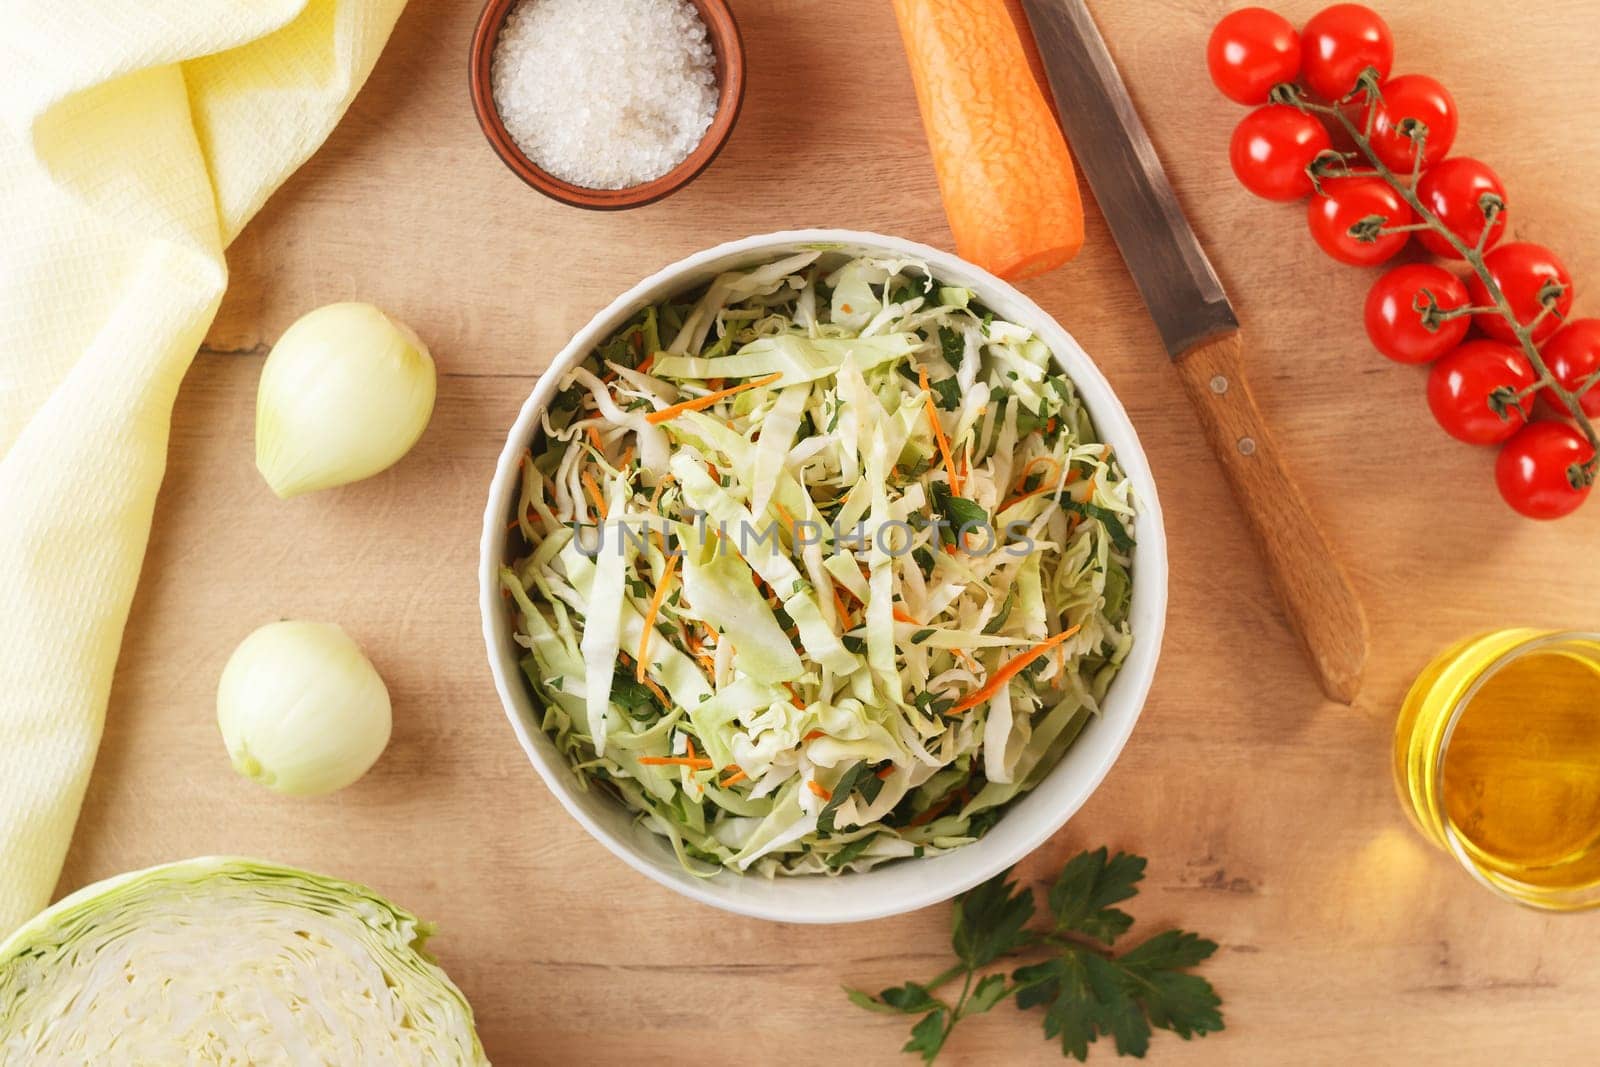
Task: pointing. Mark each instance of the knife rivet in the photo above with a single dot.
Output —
(1247, 446)
(1219, 385)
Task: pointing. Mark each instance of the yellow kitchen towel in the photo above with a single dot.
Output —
(136, 140)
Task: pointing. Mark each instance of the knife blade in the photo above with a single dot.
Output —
(1201, 333)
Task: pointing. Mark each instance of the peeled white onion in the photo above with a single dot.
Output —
(344, 394)
(302, 710)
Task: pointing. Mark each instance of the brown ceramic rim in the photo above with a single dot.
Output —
(727, 45)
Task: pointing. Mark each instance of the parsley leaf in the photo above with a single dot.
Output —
(958, 512)
(1120, 537)
(860, 777)
(910, 998)
(946, 393)
(989, 921)
(952, 346)
(1086, 995)
(631, 696)
(1085, 991)
(994, 625)
(927, 1037)
(1088, 885)
(853, 850)
(985, 995)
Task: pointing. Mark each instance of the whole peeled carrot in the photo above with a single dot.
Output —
(1006, 177)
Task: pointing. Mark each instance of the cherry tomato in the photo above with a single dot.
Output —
(1340, 42)
(1250, 51)
(1394, 323)
(1533, 470)
(1460, 383)
(1573, 356)
(1453, 190)
(1271, 148)
(1521, 269)
(1417, 97)
(1346, 202)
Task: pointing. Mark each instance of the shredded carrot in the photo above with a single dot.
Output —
(627, 458)
(738, 775)
(699, 403)
(838, 606)
(794, 697)
(533, 517)
(688, 745)
(692, 762)
(644, 364)
(594, 439)
(885, 771)
(1004, 675)
(1027, 469)
(1020, 497)
(929, 815)
(938, 432)
(812, 785)
(650, 683)
(594, 493)
(655, 497)
(900, 616)
(650, 616)
(813, 735)
(1089, 491)
(711, 469)
(966, 658)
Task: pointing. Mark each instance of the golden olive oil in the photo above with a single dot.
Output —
(1497, 757)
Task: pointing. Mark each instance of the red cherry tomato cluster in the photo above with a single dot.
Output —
(1341, 54)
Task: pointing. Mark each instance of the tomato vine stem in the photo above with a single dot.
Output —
(1367, 86)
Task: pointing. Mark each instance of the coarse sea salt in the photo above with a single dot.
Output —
(605, 94)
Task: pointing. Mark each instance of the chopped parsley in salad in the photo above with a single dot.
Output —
(819, 567)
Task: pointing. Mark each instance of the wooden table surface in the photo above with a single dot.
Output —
(1267, 813)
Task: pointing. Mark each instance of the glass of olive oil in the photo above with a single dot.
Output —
(1497, 758)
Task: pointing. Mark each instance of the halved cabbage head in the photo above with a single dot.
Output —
(228, 961)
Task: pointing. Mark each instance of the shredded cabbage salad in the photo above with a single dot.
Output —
(819, 567)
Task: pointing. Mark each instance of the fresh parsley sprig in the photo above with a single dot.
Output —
(1085, 990)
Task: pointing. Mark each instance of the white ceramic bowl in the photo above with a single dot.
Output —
(909, 884)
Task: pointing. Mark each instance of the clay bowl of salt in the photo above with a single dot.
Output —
(607, 104)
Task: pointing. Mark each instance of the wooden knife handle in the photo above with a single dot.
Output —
(1313, 587)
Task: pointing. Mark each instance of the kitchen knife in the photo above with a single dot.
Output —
(1201, 333)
